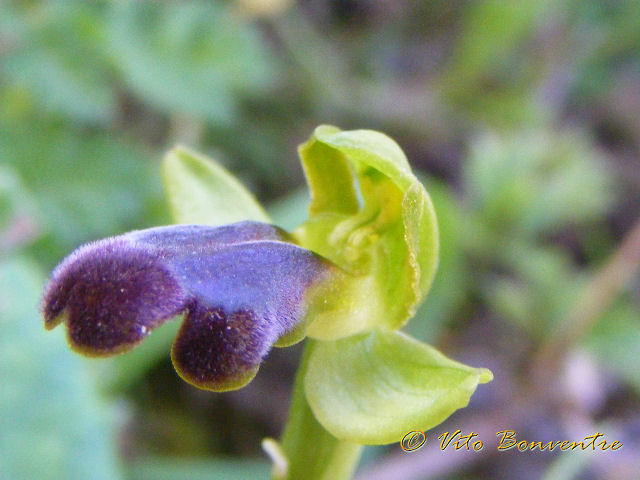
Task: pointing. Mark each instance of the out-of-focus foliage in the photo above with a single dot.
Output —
(193, 58)
(181, 469)
(522, 117)
(55, 61)
(616, 341)
(53, 424)
(530, 183)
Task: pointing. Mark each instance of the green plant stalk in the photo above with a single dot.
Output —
(312, 452)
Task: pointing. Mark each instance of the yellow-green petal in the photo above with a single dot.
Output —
(371, 216)
(374, 388)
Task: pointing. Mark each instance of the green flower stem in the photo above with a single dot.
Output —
(312, 452)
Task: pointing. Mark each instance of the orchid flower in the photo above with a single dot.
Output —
(348, 279)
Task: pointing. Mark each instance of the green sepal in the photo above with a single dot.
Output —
(384, 236)
(201, 192)
(374, 388)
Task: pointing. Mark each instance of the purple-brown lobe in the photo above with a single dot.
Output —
(215, 348)
(111, 294)
(242, 286)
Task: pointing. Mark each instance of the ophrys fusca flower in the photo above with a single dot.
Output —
(242, 287)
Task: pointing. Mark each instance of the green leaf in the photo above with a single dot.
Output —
(53, 423)
(374, 388)
(202, 192)
(492, 73)
(193, 58)
(536, 181)
(87, 184)
(17, 206)
(59, 60)
(616, 342)
(158, 468)
(372, 217)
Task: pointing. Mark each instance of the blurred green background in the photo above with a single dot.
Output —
(522, 119)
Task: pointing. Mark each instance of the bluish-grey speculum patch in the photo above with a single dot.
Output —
(241, 287)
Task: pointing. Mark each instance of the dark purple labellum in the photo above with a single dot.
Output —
(242, 287)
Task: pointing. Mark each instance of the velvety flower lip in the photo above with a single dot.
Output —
(242, 287)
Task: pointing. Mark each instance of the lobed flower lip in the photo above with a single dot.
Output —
(241, 286)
